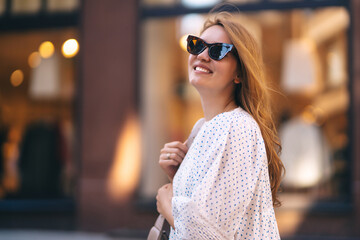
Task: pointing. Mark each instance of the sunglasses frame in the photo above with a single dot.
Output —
(227, 46)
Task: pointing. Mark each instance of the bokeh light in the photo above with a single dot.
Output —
(183, 43)
(199, 3)
(17, 77)
(46, 49)
(34, 59)
(70, 48)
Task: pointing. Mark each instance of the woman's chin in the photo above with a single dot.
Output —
(199, 82)
(201, 87)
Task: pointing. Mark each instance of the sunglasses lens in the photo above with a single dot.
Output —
(218, 52)
(195, 46)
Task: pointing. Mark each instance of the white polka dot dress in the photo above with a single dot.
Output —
(222, 189)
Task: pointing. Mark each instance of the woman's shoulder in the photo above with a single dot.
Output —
(240, 116)
(240, 120)
(237, 119)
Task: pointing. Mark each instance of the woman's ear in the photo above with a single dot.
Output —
(237, 79)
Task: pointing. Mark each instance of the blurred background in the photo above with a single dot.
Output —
(90, 91)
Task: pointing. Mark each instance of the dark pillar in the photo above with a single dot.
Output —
(355, 111)
(107, 95)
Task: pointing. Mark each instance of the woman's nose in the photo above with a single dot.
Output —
(204, 55)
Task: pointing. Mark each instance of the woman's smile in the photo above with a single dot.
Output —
(199, 68)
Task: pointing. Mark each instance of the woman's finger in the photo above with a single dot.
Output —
(177, 151)
(177, 144)
(171, 156)
(168, 163)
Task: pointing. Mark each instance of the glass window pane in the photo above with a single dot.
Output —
(36, 115)
(199, 4)
(62, 5)
(158, 2)
(314, 120)
(25, 6)
(2, 7)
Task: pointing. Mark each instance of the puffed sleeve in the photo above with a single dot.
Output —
(218, 205)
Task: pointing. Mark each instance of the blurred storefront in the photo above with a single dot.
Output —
(38, 72)
(81, 133)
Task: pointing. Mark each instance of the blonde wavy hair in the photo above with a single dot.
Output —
(252, 94)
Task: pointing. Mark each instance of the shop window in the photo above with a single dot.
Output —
(21, 7)
(62, 6)
(37, 86)
(306, 58)
(158, 2)
(2, 7)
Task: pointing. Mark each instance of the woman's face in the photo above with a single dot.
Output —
(211, 76)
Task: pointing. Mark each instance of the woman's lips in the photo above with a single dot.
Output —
(202, 69)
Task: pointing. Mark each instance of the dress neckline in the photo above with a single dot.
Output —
(220, 114)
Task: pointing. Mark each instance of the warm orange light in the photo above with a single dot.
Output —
(308, 116)
(17, 77)
(183, 43)
(125, 170)
(34, 59)
(70, 48)
(46, 49)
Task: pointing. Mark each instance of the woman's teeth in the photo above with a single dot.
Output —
(202, 70)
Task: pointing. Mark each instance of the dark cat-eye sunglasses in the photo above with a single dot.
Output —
(217, 51)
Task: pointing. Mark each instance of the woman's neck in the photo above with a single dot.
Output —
(214, 106)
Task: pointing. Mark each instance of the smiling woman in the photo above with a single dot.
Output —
(306, 63)
(224, 179)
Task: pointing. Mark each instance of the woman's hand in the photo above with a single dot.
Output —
(171, 157)
(163, 202)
